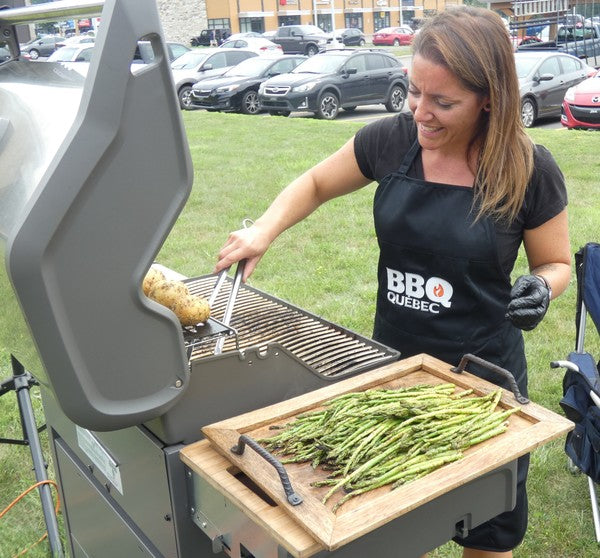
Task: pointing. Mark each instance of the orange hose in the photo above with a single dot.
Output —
(20, 497)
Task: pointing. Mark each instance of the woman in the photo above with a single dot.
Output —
(461, 186)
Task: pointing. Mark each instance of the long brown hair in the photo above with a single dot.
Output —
(473, 43)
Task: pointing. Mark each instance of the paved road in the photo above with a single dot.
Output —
(368, 113)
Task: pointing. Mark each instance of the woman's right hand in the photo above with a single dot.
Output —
(249, 244)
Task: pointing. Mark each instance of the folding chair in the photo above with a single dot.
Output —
(581, 384)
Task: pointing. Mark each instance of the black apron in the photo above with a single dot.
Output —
(441, 289)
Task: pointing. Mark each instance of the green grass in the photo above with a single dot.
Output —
(327, 265)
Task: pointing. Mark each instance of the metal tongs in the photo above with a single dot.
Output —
(237, 280)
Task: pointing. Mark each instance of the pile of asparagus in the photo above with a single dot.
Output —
(378, 437)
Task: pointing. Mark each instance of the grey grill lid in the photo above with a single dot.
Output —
(78, 242)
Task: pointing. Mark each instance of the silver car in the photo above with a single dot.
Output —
(544, 78)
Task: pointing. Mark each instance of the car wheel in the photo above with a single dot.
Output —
(311, 50)
(185, 97)
(279, 112)
(329, 106)
(396, 42)
(34, 54)
(349, 109)
(395, 102)
(250, 104)
(361, 42)
(528, 112)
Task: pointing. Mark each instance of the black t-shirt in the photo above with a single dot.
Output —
(380, 148)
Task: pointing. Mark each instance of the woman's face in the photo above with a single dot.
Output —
(446, 113)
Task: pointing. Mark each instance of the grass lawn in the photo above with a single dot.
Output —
(327, 265)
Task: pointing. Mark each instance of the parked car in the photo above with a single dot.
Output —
(244, 34)
(260, 45)
(219, 35)
(580, 41)
(74, 53)
(526, 40)
(544, 78)
(394, 36)
(337, 79)
(40, 46)
(301, 39)
(75, 40)
(201, 64)
(350, 36)
(581, 105)
(237, 88)
(176, 50)
(144, 53)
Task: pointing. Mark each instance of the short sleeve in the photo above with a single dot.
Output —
(546, 194)
(380, 146)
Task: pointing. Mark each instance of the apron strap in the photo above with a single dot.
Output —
(409, 157)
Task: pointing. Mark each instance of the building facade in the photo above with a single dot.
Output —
(367, 15)
(182, 19)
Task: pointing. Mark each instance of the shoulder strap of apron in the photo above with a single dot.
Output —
(409, 157)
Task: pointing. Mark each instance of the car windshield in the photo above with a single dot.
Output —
(321, 64)
(64, 54)
(311, 30)
(386, 30)
(251, 67)
(189, 60)
(525, 64)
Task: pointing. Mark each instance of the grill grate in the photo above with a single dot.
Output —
(260, 319)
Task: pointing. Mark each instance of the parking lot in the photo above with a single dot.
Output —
(369, 113)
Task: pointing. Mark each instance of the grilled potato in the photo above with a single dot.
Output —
(167, 292)
(192, 310)
(152, 277)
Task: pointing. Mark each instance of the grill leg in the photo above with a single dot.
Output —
(22, 384)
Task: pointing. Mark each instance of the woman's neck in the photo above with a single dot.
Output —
(450, 168)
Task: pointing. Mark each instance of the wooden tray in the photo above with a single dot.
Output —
(529, 428)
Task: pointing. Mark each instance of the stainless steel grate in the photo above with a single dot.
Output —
(260, 319)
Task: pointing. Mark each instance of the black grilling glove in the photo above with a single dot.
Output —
(529, 301)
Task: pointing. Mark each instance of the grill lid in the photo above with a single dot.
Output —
(86, 225)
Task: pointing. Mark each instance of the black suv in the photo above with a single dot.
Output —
(301, 39)
(237, 88)
(337, 79)
(206, 35)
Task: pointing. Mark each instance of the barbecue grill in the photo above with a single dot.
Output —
(82, 218)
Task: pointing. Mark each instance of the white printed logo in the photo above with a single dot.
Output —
(411, 290)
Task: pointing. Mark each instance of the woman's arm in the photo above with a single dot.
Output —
(549, 252)
(335, 176)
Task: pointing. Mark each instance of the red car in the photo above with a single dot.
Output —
(394, 36)
(581, 105)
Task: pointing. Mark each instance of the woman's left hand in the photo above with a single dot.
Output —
(530, 298)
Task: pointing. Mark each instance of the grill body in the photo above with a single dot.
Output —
(279, 351)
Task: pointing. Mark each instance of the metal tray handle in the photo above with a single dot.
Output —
(494, 368)
(292, 497)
